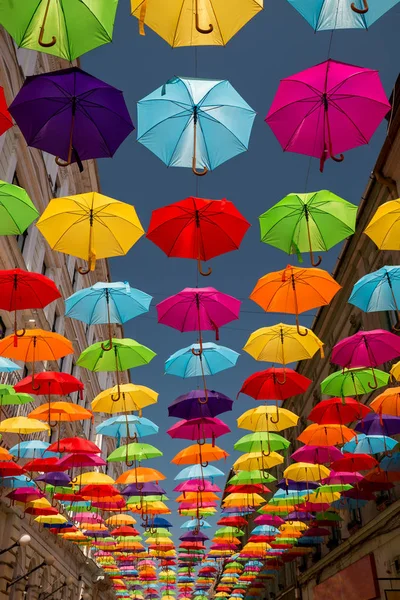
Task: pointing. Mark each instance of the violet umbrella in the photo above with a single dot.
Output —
(367, 349)
(72, 115)
(198, 429)
(316, 454)
(327, 109)
(143, 489)
(199, 404)
(56, 479)
(191, 536)
(379, 424)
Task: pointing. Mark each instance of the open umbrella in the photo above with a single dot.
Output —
(199, 404)
(198, 429)
(23, 426)
(384, 227)
(127, 426)
(132, 398)
(51, 383)
(339, 411)
(195, 123)
(90, 226)
(189, 362)
(379, 424)
(326, 435)
(311, 113)
(264, 385)
(72, 115)
(198, 229)
(17, 210)
(352, 382)
(378, 291)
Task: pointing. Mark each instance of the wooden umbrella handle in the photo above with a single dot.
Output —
(360, 11)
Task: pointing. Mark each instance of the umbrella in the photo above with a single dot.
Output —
(33, 449)
(294, 290)
(352, 382)
(135, 452)
(305, 472)
(342, 14)
(126, 354)
(65, 29)
(367, 349)
(316, 454)
(370, 444)
(338, 411)
(36, 345)
(198, 229)
(199, 454)
(311, 113)
(72, 461)
(257, 460)
(72, 115)
(379, 424)
(90, 226)
(263, 442)
(133, 397)
(261, 419)
(199, 404)
(387, 403)
(195, 123)
(60, 412)
(189, 362)
(74, 445)
(199, 472)
(22, 290)
(107, 303)
(378, 291)
(127, 426)
(351, 463)
(23, 426)
(140, 475)
(198, 429)
(383, 229)
(326, 435)
(203, 24)
(310, 222)
(17, 211)
(265, 385)
(51, 383)
(5, 117)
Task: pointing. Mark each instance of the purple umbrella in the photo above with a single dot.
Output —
(377, 424)
(72, 115)
(143, 489)
(367, 349)
(198, 403)
(194, 537)
(316, 454)
(97, 534)
(299, 515)
(56, 479)
(289, 484)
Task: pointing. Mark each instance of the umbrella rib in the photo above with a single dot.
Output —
(84, 99)
(211, 118)
(179, 139)
(68, 40)
(84, 111)
(349, 119)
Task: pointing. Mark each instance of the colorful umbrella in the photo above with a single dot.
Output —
(326, 435)
(262, 419)
(198, 429)
(33, 449)
(195, 123)
(189, 362)
(370, 444)
(51, 383)
(264, 385)
(198, 229)
(17, 211)
(340, 411)
(127, 426)
(311, 114)
(316, 454)
(199, 454)
(133, 397)
(23, 426)
(378, 291)
(74, 445)
(379, 424)
(352, 382)
(198, 404)
(384, 227)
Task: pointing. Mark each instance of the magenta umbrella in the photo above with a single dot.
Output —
(198, 309)
(327, 109)
(197, 485)
(342, 478)
(272, 520)
(317, 454)
(367, 349)
(80, 460)
(88, 517)
(198, 429)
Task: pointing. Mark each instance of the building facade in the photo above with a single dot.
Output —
(39, 175)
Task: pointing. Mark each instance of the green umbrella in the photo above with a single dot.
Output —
(352, 382)
(250, 477)
(64, 28)
(148, 500)
(160, 531)
(332, 489)
(328, 516)
(123, 354)
(17, 211)
(134, 452)
(261, 441)
(229, 532)
(308, 223)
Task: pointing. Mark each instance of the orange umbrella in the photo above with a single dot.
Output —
(60, 412)
(205, 496)
(387, 403)
(199, 454)
(36, 345)
(5, 455)
(294, 290)
(140, 475)
(326, 435)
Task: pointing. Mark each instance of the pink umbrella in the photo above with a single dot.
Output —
(367, 349)
(327, 109)
(198, 429)
(197, 309)
(199, 504)
(196, 485)
(272, 520)
(80, 460)
(317, 454)
(342, 478)
(88, 517)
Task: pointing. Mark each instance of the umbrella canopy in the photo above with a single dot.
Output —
(23, 426)
(198, 429)
(5, 117)
(350, 463)
(199, 404)
(378, 291)
(60, 412)
(17, 211)
(352, 382)
(379, 424)
(33, 449)
(370, 444)
(127, 426)
(90, 226)
(305, 472)
(264, 385)
(189, 362)
(198, 454)
(198, 229)
(180, 123)
(133, 397)
(267, 418)
(388, 402)
(384, 227)
(261, 442)
(207, 24)
(51, 383)
(72, 115)
(134, 452)
(65, 29)
(326, 435)
(311, 115)
(316, 454)
(340, 411)
(126, 354)
(74, 445)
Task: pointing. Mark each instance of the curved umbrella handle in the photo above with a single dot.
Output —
(41, 35)
(204, 464)
(375, 385)
(198, 352)
(200, 401)
(109, 347)
(204, 273)
(284, 379)
(312, 260)
(60, 163)
(196, 172)
(360, 11)
(298, 327)
(339, 158)
(200, 29)
(277, 410)
(118, 396)
(20, 334)
(201, 442)
(266, 453)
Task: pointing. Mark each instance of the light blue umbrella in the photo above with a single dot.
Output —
(194, 523)
(16, 482)
(391, 463)
(370, 444)
(213, 359)
(32, 449)
(338, 14)
(348, 503)
(197, 471)
(265, 530)
(127, 426)
(8, 366)
(378, 291)
(107, 303)
(195, 123)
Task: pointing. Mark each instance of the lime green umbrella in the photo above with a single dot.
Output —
(160, 531)
(147, 500)
(123, 354)
(229, 532)
(328, 516)
(64, 28)
(135, 452)
(308, 223)
(250, 477)
(17, 211)
(352, 382)
(261, 441)
(332, 489)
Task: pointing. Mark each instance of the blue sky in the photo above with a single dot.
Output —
(275, 44)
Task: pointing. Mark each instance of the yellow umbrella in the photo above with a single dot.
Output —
(243, 500)
(93, 478)
(198, 23)
(267, 418)
(324, 497)
(282, 344)
(384, 227)
(23, 426)
(90, 226)
(133, 398)
(306, 472)
(293, 526)
(395, 371)
(120, 520)
(51, 519)
(253, 461)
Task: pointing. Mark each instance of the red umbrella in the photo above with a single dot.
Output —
(41, 512)
(74, 445)
(21, 290)
(51, 383)
(25, 494)
(98, 491)
(124, 531)
(72, 461)
(374, 486)
(257, 488)
(69, 497)
(5, 117)
(232, 522)
(338, 411)
(44, 465)
(264, 385)
(316, 531)
(197, 228)
(354, 462)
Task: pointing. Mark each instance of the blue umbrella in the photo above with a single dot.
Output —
(161, 522)
(265, 530)
(338, 14)
(127, 426)
(349, 503)
(33, 449)
(378, 291)
(194, 523)
(195, 123)
(390, 463)
(16, 482)
(197, 471)
(370, 444)
(214, 359)
(310, 541)
(8, 366)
